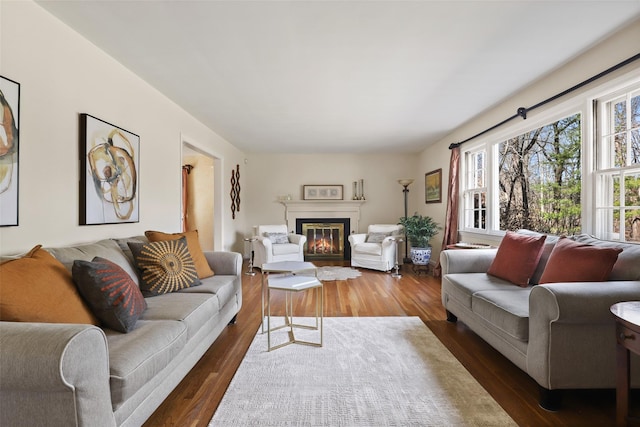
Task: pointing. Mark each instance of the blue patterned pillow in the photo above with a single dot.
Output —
(376, 237)
(278, 238)
(113, 296)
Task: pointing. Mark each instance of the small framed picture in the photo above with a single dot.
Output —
(433, 186)
(322, 192)
(110, 164)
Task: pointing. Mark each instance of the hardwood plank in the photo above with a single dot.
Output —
(375, 293)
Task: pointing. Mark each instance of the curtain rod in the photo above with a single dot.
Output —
(522, 111)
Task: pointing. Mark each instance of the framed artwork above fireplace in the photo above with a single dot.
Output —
(322, 192)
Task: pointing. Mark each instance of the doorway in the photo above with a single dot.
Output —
(200, 195)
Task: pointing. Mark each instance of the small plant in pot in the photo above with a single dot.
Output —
(420, 230)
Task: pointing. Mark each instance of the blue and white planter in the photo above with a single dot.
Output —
(420, 256)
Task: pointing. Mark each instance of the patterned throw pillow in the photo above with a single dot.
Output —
(110, 292)
(376, 237)
(165, 266)
(277, 238)
(193, 243)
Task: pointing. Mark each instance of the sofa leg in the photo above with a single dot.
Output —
(451, 317)
(233, 320)
(550, 399)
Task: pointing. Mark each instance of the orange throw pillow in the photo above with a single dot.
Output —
(202, 266)
(517, 258)
(38, 288)
(577, 262)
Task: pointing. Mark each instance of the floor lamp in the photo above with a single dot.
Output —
(405, 183)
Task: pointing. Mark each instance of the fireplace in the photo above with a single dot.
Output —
(326, 238)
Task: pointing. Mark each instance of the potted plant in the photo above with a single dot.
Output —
(419, 231)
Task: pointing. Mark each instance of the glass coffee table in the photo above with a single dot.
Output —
(287, 268)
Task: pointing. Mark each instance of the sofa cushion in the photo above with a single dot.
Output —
(223, 287)
(192, 309)
(137, 357)
(165, 266)
(579, 262)
(193, 242)
(507, 310)
(517, 258)
(38, 288)
(110, 292)
(627, 267)
(107, 249)
(464, 285)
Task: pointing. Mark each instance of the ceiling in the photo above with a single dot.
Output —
(341, 76)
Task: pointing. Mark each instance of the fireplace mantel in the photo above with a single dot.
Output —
(295, 209)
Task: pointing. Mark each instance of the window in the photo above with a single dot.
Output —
(617, 173)
(571, 168)
(536, 184)
(475, 193)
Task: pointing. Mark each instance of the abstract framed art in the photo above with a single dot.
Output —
(110, 164)
(9, 151)
(433, 186)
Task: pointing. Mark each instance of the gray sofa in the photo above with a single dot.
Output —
(82, 375)
(561, 334)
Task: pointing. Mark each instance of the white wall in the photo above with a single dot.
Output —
(62, 75)
(608, 53)
(271, 176)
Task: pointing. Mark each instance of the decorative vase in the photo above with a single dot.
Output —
(421, 256)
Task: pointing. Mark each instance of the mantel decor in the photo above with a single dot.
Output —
(10, 119)
(433, 186)
(109, 164)
(322, 192)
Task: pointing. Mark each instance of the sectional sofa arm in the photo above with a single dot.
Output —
(224, 262)
(466, 260)
(54, 375)
(580, 302)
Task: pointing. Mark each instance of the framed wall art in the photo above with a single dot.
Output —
(322, 192)
(433, 186)
(9, 152)
(109, 178)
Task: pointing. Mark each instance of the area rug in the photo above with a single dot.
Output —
(371, 371)
(329, 273)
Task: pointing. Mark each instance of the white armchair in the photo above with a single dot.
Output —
(376, 249)
(275, 244)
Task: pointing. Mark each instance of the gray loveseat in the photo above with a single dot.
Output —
(82, 375)
(561, 334)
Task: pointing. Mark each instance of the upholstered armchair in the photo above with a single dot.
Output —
(275, 244)
(376, 249)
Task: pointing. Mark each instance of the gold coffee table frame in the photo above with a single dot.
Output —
(282, 267)
(293, 284)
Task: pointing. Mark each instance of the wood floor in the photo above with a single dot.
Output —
(196, 398)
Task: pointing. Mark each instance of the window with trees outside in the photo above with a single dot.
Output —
(618, 166)
(575, 172)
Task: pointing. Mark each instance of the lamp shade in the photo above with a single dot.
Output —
(405, 182)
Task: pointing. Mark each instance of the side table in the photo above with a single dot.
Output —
(627, 316)
(290, 285)
(285, 267)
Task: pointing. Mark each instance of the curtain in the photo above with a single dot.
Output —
(185, 196)
(451, 220)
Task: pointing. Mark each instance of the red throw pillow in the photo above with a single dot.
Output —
(577, 262)
(517, 258)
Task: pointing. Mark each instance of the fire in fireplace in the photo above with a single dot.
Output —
(325, 238)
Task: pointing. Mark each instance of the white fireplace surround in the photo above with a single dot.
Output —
(295, 209)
